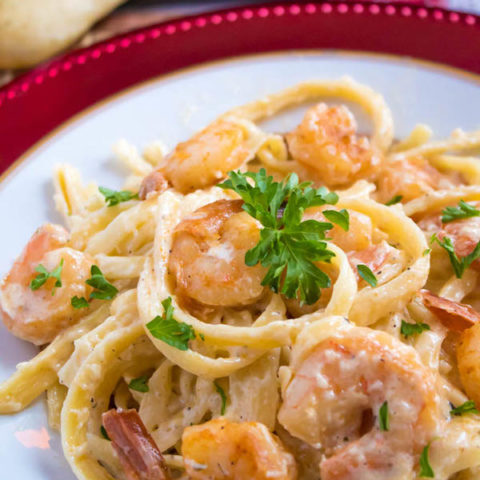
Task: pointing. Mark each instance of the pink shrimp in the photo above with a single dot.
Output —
(327, 144)
(333, 399)
(39, 315)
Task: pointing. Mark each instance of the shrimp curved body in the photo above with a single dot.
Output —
(204, 159)
(38, 315)
(359, 242)
(207, 258)
(464, 233)
(340, 377)
(224, 450)
(410, 178)
(326, 143)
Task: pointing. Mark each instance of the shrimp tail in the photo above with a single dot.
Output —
(138, 454)
(453, 315)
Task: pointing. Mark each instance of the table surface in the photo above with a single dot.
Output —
(139, 13)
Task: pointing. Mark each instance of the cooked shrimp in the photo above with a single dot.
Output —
(360, 242)
(455, 316)
(224, 450)
(326, 142)
(207, 256)
(359, 245)
(341, 376)
(465, 233)
(138, 454)
(204, 159)
(410, 178)
(468, 360)
(39, 315)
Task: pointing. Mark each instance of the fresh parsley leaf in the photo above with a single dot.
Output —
(426, 252)
(202, 336)
(426, 470)
(341, 218)
(394, 200)
(464, 210)
(459, 265)
(288, 246)
(467, 407)
(168, 330)
(383, 417)
(79, 302)
(409, 329)
(44, 275)
(114, 197)
(139, 384)
(104, 433)
(223, 396)
(103, 289)
(367, 274)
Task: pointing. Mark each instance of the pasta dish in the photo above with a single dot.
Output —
(257, 305)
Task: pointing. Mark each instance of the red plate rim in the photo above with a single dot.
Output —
(37, 102)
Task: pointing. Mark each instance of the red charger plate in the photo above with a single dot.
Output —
(37, 102)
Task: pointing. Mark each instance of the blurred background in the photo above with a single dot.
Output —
(32, 31)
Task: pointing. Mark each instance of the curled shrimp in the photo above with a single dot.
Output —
(339, 379)
(464, 233)
(224, 450)
(410, 178)
(204, 159)
(362, 242)
(468, 360)
(39, 315)
(326, 142)
(207, 258)
(361, 245)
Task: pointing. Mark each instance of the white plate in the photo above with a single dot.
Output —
(171, 109)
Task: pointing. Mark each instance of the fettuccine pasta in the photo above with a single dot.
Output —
(262, 305)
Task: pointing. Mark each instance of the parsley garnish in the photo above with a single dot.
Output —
(222, 394)
(168, 330)
(394, 200)
(367, 274)
(104, 433)
(409, 329)
(103, 289)
(383, 417)
(288, 246)
(139, 384)
(44, 275)
(341, 218)
(425, 468)
(79, 302)
(426, 252)
(464, 210)
(459, 265)
(467, 407)
(114, 197)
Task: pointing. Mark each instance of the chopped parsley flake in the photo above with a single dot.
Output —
(44, 275)
(168, 330)
(139, 384)
(114, 197)
(103, 289)
(223, 396)
(367, 274)
(464, 210)
(409, 329)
